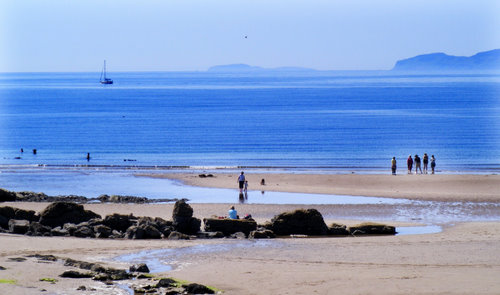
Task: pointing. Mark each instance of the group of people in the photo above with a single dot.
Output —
(418, 164)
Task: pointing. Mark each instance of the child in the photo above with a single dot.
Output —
(246, 186)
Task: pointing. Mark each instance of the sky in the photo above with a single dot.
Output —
(193, 35)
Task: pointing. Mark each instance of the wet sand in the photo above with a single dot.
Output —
(446, 187)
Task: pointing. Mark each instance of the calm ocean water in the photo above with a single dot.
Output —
(338, 121)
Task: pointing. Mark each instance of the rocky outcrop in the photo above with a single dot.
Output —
(7, 196)
(119, 222)
(59, 213)
(8, 213)
(372, 229)
(141, 267)
(230, 226)
(302, 222)
(336, 229)
(19, 226)
(262, 234)
(183, 220)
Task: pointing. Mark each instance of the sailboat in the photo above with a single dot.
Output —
(103, 79)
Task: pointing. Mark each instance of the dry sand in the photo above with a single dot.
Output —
(463, 259)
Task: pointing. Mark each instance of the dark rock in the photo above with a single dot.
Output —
(44, 257)
(262, 234)
(119, 222)
(230, 226)
(71, 228)
(116, 274)
(198, 289)
(337, 230)
(150, 232)
(183, 220)
(166, 283)
(7, 196)
(302, 222)
(2, 268)
(8, 213)
(19, 226)
(141, 267)
(59, 232)
(372, 229)
(59, 213)
(76, 274)
(81, 288)
(238, 235)
(84, 232)
(38, 229)
(134, 232)
(17, 259)
(116, 235)
(25, 214)
(175, 235)
(102, 231)
(210, 235)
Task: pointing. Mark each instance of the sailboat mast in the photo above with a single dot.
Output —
(104, 70)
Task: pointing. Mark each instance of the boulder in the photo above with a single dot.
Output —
(141, 267)
(197, 289)
(150, 232)
(337, 230)
(262, 234)
(368, 228)
(8, 213)
(37, 229)
(183, 220)
(209, 235)
(18, 226)
(59, 232)
(175, 235)
(134, 232)
(59, 213)
(84, 232)
(102, 231)
(230, 226)
(76, 274)
(119, 222)
(302, 222)
(7, 196)
(166, 283)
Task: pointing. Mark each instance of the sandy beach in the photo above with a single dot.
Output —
(444, 187)
(462, 259)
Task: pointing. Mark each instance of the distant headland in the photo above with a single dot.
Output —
(482, 61)
(432, 62)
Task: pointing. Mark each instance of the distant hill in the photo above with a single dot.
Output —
(488, 60)
(244, 68)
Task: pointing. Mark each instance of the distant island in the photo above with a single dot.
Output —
(433, 62)
(482, 61)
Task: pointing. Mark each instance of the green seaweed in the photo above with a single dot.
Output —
(50, 280)
(4, 281)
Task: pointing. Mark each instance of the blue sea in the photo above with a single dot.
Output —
(328, 121)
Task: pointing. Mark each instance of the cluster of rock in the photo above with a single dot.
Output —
(9, 196)
(71, 219)
(138, 272)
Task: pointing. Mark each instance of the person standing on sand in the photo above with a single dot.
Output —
(393, 165)
(246, 186)
(426, 161)
(417, 164)
(241, 181)
(409, 162)
(433, 163)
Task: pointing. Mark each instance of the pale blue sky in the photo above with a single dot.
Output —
(166, 35)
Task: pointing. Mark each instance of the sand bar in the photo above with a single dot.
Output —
(446, 187)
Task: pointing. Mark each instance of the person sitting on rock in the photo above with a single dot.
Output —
(233, 214)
